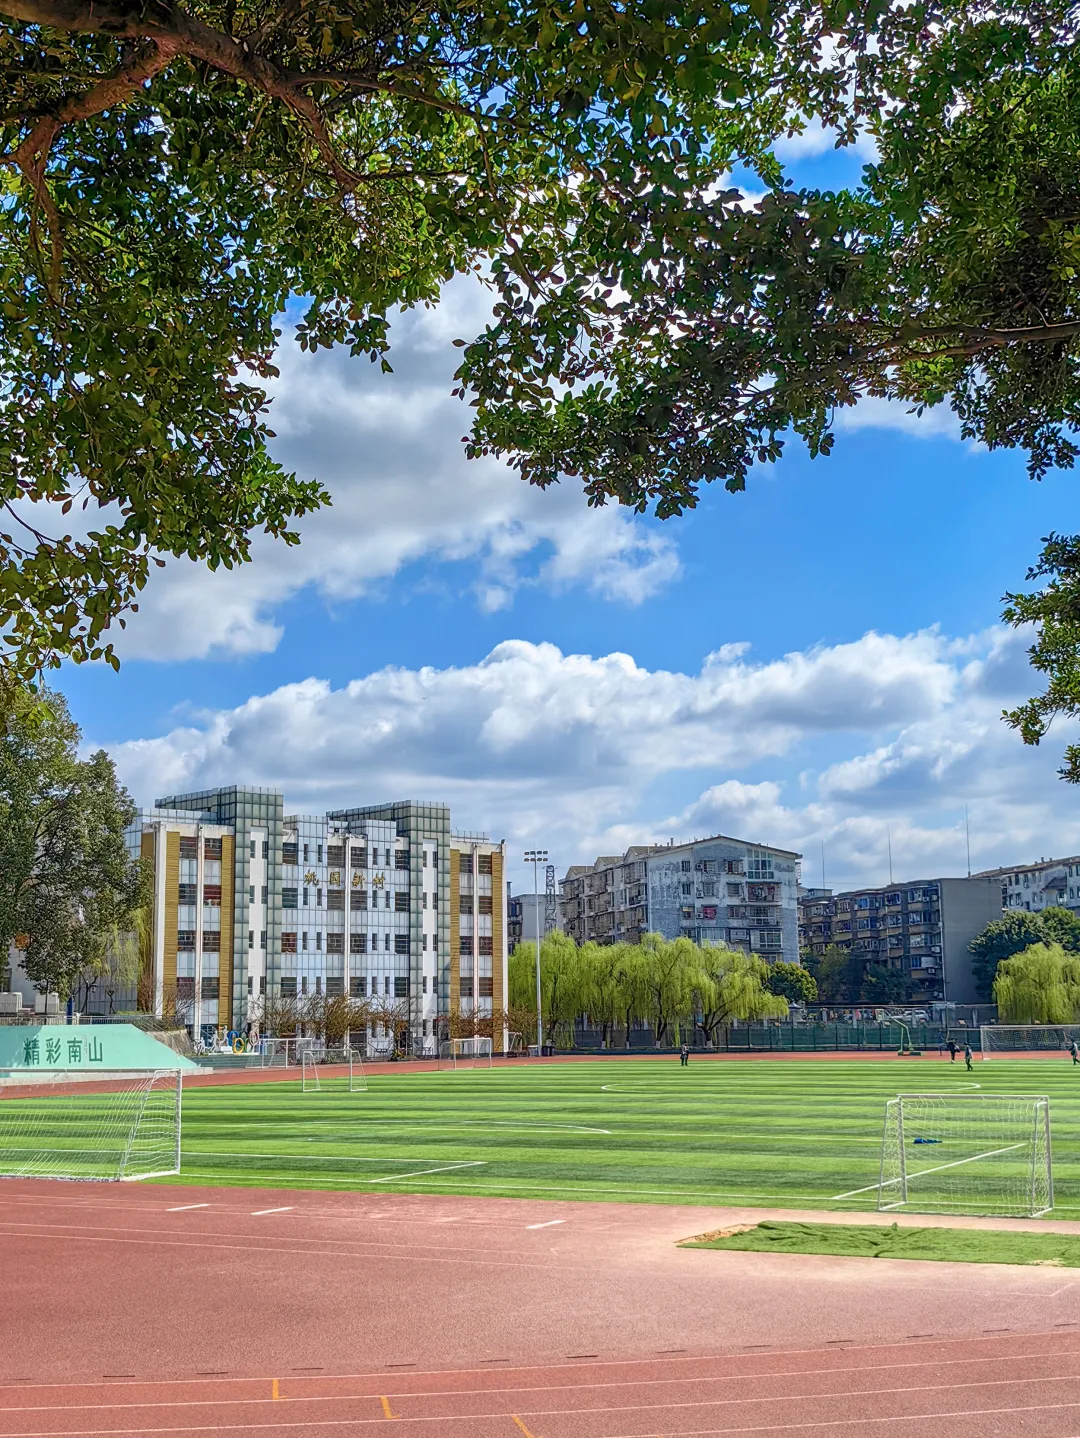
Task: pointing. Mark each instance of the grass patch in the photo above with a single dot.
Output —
(936, 1245)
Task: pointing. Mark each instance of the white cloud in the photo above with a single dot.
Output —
(874, 412)
(388, 448)
(586, 753)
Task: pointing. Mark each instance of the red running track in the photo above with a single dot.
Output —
(313, 1315)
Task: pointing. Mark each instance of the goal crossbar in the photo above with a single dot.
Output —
(993, 1153)
(79, 1124)
(469, 1053)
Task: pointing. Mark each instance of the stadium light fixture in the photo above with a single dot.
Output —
(536, 857)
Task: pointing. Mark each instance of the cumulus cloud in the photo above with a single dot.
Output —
(388, 448)
(874, 412)
(886, 735)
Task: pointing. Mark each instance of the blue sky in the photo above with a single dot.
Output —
(446, 633)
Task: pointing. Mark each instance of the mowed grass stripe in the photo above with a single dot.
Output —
(761, 1133)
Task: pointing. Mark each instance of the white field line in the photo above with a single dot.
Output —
(938, 1168)
(554, 1127)
(259, 1212)
(186, 1207)
(443, 1168)
(551, 1223)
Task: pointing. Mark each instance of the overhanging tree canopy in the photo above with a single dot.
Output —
(173, 175)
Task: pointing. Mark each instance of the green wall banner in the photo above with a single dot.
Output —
(108, 1048)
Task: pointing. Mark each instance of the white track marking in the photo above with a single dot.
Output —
(186, 1207)
(551, 1223)
(990, 1153)
(443, 1168)
(259, 1212)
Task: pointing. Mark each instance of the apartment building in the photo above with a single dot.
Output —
(715, 891)
(1033, 887)
(364, 902)
(921, 928)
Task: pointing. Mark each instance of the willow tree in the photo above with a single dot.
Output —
(1040, 985)
(733, 985)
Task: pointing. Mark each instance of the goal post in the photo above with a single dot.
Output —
(979, 1154)
(468, 1053)
(357, 1075)
(1003, 1040)
(107, 1127)
(309, 1072)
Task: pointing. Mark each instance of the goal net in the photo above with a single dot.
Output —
(357, 1076)
(967, 1153)
(67, 1123)
(470, 1053)
(513, 1044)
(309, 1072)
(997, 1040)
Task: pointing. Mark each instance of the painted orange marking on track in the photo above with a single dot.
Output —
(387, 1410)
(521, 1425)
(275, 1391)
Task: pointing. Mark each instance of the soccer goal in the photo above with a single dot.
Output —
(67, 1123)
(967, 1153)
(513, 1044)
(357, 1076)
(1000, 1040)
(309, 1072)
(470, 1053)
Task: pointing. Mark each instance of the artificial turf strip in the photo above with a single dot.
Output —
(937, 1245)
(761, 1133)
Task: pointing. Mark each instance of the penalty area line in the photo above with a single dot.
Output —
(443, 1168)
(938, 1168)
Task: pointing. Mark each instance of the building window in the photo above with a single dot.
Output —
(253, 848)
(685, 866)
(401, 859)
(212, 894)
(251, 893)
(687, 890)
(425, 858)
(305, 896)
(288, 898)
(401, 986)
(185, 939)
(290, 854)
(251, 986)
(288, 941)
(335, 900)
(465, 945)
(386, 944)
(335, 943)
(318, 941)
(486, 990)
(483, 863)
(211, 941)
(211, 848)
(318, 983)
(466, 988)
(401, 943)
(264, 893)
(305, 853)
(485, 943)
(484, 901)
(425, 943)
(288, 988)
(251, 938)
(189, 848)
(335, 987)
(358, 986)
(359, 859)
(733, 866)
(303, 984)
(188, 893)
(358, 943)
(465, 903)
(335, 854)
(262, 984)
(303, 941)
(318, 899)
(262, 939)
(401, 901)
(209, 988)
(318, 853)
(386, 899)
(358, 899)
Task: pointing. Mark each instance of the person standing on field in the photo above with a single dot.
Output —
(684, 1055)
(951, 1046)
(967, 1057)
(1075, 1052)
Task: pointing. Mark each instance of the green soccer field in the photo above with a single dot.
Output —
(761, 1133)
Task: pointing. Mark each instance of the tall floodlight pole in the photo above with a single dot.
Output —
(536, 857)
